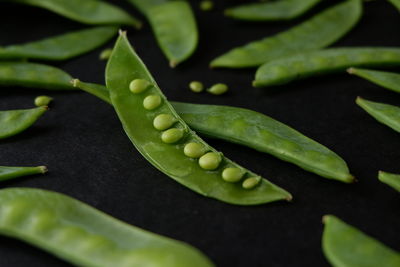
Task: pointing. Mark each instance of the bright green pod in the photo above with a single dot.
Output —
(385, 79)
(384, 113)
(170, 158)
(271, 11)
(174, 27)
(85, 236)
(97, 90)
(8, 173)
(396, 3)
(391, 179)
(88, 12)
(301, 66)
(346, 246)
(61, 47)
(34, 75)
(318, 32)
(13, 122)
(42, 100)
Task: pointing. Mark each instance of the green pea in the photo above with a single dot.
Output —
(232, 175)
(151, 102)
(138, 85)
(196, 86)
(251, 182)
(206, 5)
(105, 54)
(172, 135)
(218, 89)
(194, 150)
(43, 100)
(210, 161)
(163, 121)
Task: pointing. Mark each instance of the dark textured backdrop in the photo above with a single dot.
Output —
(90, 158)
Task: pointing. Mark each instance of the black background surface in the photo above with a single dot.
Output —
(90, 158)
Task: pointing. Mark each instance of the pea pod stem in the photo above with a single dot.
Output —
(8, 173)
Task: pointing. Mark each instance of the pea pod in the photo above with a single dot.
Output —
(291, 68)
(320, 31)
(396, 3)
(202, 176)
(34, 75)
(60, 47)
(385, 79)
(8, 173)
(88, 12)
(84, 236)
(174, 27)
(391, 179)
(13, 122)
(346, 246)
(272, 11)
(384, 113)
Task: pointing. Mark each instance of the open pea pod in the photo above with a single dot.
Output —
(346, 246)
(13, 122)
(84, 236)
(174, 27)
(167, 150)
(61, 47)
(271, 11)
(388, 80)
(34, 75)
(391, 179)
(8, 173)
(384, 113)
(88, 11)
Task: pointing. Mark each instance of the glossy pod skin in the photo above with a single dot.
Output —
(60, 47)
(271, 11)
(34, 75)
(384, 113)
(13, 122)
(346, 246)
(124, 67)
(84, 236)
(320, 31)
(391, 179)
(291, 68)
(174, 27)
(8, 173)
(388, 80)
(93, 12)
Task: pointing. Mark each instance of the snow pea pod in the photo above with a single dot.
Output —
(346, 246)
(8, 173)
(273, 11)
(61, 47)
(320, 31)
(291, 68)
(384, 113)
(13, 122)
(385, 79)
(85, 236)
(88, 12)
(34, 75)
(391, 179)
(174, 27)
(396, 3)
(165, 150)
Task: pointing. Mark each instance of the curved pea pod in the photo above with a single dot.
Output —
(384, 113)
(8, 173)
(346, 246)
(84, 236)
(391, 179)
(320, 31)
(125, 66)
(95, 89)
(174, 27)
(272, 11)
(13, 122)
(385, 79)
(34, 75)
(263, 133)
(60, 47)
(88, 12)
(396, 3)
(301, 66)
